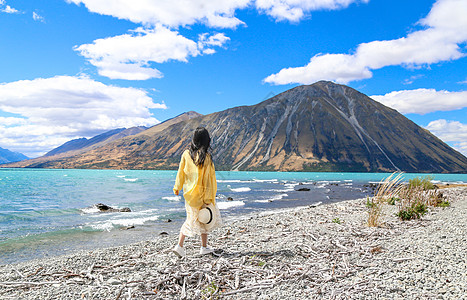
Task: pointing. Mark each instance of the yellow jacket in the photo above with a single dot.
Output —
(198, 182)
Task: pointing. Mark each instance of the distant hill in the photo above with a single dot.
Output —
(7, 156)
(85, 144)
(318, 127)
(78, 146)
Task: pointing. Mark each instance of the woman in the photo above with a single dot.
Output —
(196, 175)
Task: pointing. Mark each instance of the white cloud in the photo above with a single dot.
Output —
(129, 56)
(453, 132)
(295, 10)
(38, 17)
(219, 13)
(54, 110)
(8, 9)
(410, 80)
(446, 28)
(423, 101)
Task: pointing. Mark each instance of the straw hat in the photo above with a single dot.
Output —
(206, 215)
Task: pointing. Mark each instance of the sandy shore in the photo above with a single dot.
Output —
(324, 252)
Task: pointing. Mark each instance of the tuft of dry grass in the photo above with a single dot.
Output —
(417, 196)
(388, 188)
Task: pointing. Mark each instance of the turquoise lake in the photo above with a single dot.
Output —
(49, 212)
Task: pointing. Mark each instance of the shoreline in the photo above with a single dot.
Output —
(307, 253)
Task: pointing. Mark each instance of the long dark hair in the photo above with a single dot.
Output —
(200, 146)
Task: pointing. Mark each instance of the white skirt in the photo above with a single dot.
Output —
(193, 227)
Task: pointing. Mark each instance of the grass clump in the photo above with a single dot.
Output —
(387, 189)
(209, 291)
(415, 211)
(437, 199)
(393, 200)
(336, 220)
(370, 203)
(424, 183)
(413, 199)
(417, 196)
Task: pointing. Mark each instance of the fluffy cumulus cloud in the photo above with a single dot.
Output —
(219, 13)
(423, 101)
(445, 28)
(45, 113)
(453, 132)
(6, 8)
(130, 56)
(295, 10)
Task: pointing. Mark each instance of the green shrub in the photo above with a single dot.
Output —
(370, 203)
(424, 183)
(392, 200)
(437, 199)
(336, 220)
(415, 211)
(444, 204)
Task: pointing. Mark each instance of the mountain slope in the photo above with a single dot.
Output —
(319, 127)
(78, 146)
(84, 144)
(7, 156)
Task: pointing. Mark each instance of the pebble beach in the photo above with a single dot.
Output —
(314, 252)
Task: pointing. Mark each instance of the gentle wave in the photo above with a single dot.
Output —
(274, 198)
(246, 181)
(108, 225)
(130, 179)
(241, 189)
(231, 181)
(90, 210)
(29, 215)
(230, 204)
(172, 198)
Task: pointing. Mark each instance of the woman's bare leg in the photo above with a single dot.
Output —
(204, 239)
(181, 239)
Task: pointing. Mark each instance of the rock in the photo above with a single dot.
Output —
(163, 233)
(113, 281)
(127, 227)
(303, 189)
(169, 220)
(229, 199)
(105, 208)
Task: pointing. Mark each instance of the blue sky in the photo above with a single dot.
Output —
(77, 68)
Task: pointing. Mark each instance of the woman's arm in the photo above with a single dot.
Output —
(180, 180)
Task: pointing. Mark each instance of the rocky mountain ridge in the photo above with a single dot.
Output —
(7, 156)
(318, 127)
(84, 144)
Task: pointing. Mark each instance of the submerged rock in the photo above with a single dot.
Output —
(127, 227)
(105, 208)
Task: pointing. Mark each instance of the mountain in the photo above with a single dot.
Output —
(318, 127)
(77, 146)
(167, 123)
(85, 144)
(7, 156)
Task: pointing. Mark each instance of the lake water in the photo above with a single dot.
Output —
(47, 212)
